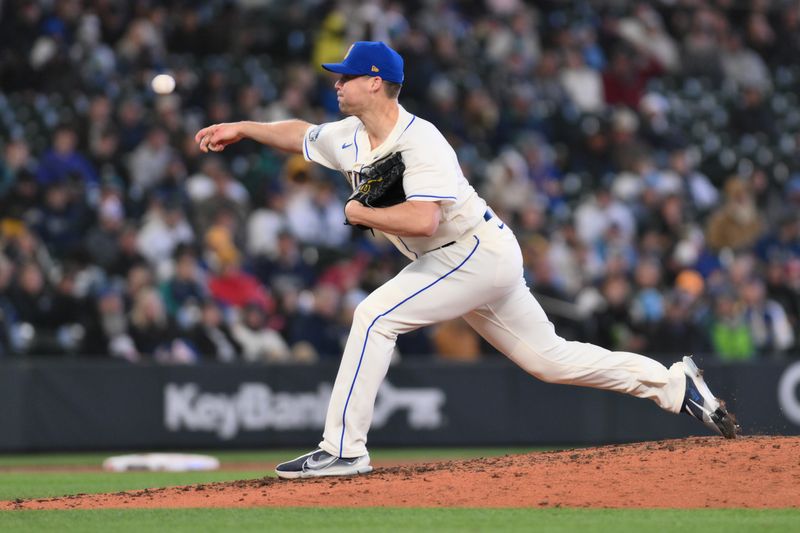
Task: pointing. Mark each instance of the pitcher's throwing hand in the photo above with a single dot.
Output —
(216, 137)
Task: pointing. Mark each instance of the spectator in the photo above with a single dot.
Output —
(124, 254)
(101, 242)
(31, 297)
(625, 80)
(736, 224)
(645, 31)
(165, 228)
(288, 267)
(99, 121)
(19, 31)
(658, 128)
(752, 114)
(744, 66)
(259, 343)
(64, 162)
(185, 287)
(16, 161)
(677, 333)
(62, 220)
(264, 225)
(455, 340)
(700, 54)
(22, 198)
(782, 287)
(132, 129)
(594, 158)
(787, 36)
(546, 83)
(214, 190)
(597, 214)
(767, 321)
(315, 215)
(583, 84)
(781, 243)
(760, 35)
(69, 313)
(318, 326)
(648, 302)
(149, 161)
(698, 192)
(107, 328)
(154, 334)
(139, 278)
(612, 322)
(229, 284)
(508, 185)
(730, 336)
(6, 307)
(211, 337)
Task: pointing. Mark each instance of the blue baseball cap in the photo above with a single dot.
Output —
(370, 58)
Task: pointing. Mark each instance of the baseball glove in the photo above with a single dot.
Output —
(381, 182)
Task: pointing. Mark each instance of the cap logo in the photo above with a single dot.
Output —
(375, 69)
(349, 50)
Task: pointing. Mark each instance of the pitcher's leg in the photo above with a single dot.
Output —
(427, 291)
(349, 416)
(518, 327)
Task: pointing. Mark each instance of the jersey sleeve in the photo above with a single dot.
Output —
(432, 170)
(322, 143)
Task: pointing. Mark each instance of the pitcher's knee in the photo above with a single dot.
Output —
(543, 365)
(375, 317)
(544, 371)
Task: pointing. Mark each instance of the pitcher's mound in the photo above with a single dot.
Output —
(756, 472)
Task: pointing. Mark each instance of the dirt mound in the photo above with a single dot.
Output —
(755, 472)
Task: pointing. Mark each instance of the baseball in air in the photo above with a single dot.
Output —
(163, 84)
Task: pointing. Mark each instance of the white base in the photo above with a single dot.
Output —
(160, 462)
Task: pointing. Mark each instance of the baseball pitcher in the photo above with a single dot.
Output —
(465, 262)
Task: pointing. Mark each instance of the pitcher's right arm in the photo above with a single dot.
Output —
(286, 135)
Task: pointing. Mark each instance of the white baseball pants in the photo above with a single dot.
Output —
(480, 278)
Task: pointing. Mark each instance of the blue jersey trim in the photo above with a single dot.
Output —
(305, 146)
(364, 347)
(430, 196)
(413, 118)
(355, 141)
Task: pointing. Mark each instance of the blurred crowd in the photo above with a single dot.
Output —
(645, 153)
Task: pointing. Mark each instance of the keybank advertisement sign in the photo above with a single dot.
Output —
(89, 405)
(789, 393)
(258, 407)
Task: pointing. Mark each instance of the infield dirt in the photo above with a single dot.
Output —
(708, 472)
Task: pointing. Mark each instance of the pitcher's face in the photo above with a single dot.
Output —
(352, 92)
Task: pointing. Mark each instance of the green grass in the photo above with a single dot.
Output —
(48, 484)
(39, 485)
(348, 520)
(251, 456)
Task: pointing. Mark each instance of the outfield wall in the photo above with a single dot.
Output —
(94, 405)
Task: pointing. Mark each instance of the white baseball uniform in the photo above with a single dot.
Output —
(471, 268)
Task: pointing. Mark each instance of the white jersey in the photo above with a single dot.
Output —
(432, 172)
